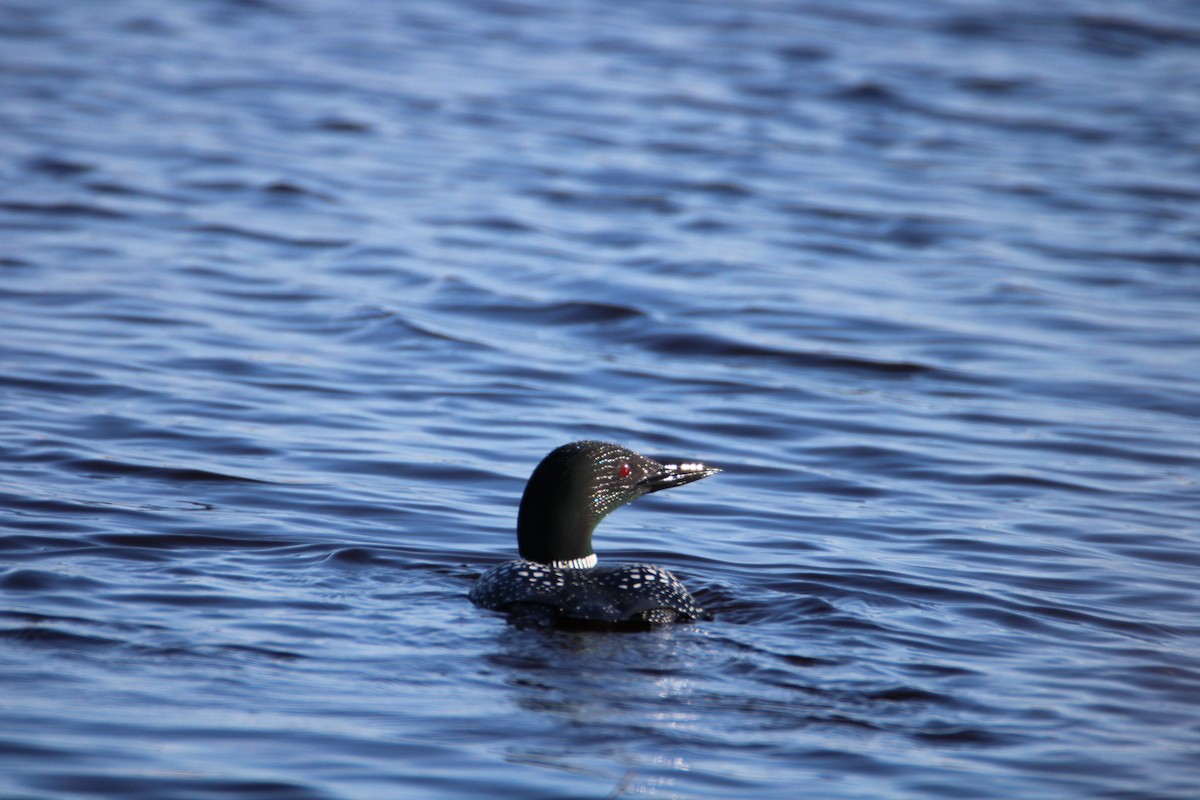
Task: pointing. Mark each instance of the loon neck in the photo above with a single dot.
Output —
(587, 562)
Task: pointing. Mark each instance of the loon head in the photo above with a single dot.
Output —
(577, 485)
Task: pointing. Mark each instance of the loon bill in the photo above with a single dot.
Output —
(570, 491)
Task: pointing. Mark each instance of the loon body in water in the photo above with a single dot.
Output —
(570, 491)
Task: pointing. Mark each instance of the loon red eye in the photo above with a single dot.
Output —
(625, 470)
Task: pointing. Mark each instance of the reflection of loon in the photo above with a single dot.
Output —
(574, 488)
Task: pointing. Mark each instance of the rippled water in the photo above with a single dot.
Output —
(295, 293)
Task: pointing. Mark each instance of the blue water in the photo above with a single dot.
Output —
(295, 293)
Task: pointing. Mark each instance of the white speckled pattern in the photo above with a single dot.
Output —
(620, 593)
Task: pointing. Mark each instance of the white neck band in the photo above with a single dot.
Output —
(587, 562)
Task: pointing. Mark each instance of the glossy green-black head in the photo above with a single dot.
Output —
(577, 485)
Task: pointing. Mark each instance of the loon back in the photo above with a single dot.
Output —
(618, 593)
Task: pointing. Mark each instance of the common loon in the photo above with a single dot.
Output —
(570, 491)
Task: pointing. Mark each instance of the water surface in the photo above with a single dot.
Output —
(294, 294)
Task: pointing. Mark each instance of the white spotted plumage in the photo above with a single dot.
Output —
(618, 593)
